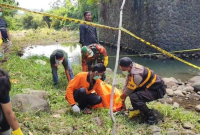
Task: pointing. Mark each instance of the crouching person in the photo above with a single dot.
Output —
(57, 58)
(79, 90)
(7, 117)
(142, 85)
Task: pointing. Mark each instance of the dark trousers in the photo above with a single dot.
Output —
(85, 100)
(141, 96)
(4, 126)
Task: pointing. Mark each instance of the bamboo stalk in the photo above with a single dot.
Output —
(115, 70)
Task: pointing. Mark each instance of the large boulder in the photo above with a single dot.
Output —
(197, 108)
(194, 79)
(170, 81)
(196, 85)
(40, 94)
(29, 103)
(169, 92)
(178, 93)
(188, 89)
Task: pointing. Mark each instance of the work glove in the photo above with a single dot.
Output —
(76, 109)
(133, 113)
(1, 41)
(118, 100)
(17, 132)
(105, 61)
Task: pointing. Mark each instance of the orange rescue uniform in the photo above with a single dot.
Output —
(81, 81)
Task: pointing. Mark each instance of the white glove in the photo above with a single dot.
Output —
(76, 109)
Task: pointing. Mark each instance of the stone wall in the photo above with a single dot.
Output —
(170, 24)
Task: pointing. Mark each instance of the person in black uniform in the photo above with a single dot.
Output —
(4, 36)
(7, 117)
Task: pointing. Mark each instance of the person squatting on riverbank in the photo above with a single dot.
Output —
(5, 40)
(88, 34)
(142, 85)
(92, 54)
(57, 58)
(7, 117)
(81, 88)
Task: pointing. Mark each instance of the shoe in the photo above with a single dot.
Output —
(55, 83)
(87, 111)
(151, 119)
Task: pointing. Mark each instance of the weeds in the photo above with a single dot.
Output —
(43, 36)
(31, 75)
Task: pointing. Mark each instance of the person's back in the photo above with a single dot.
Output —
(88, 34)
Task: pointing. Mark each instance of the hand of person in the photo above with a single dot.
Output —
(123, 106)
(17, 132)
(1, 41)
(76, 109)
(105, 61)
(118, 100)
(54, 66)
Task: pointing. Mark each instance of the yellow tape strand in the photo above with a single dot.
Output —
(159, 49)
(101, 26)
(158, 53)
(59, 17)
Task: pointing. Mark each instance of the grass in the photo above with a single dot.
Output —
(38, 77)
(42, 36)
(35, 76)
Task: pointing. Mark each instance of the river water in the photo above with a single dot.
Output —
(164, 68)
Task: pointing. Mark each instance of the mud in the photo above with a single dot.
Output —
(188, 104)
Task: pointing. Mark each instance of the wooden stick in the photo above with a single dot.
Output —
(115, 70)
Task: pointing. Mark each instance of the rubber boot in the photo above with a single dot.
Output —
(133, 113)
(151, 118)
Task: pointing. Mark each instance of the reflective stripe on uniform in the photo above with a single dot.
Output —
(152, 82)
(131, 84)
(147, 79)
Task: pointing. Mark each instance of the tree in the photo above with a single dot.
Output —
(7, 11)
(88, 5)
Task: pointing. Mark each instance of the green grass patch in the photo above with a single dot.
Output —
(38, 77)
(42, 36)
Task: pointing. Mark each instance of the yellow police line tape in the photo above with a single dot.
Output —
(59, 17)
(159, 49)
(101, 26)
(158, 53)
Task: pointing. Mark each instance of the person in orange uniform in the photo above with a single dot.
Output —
(94, 53)
(79, 90)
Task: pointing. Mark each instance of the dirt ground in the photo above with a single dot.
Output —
(188, 104)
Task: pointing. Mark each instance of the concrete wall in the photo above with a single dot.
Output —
(170, 24)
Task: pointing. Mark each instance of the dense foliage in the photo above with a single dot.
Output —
(17, 21)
